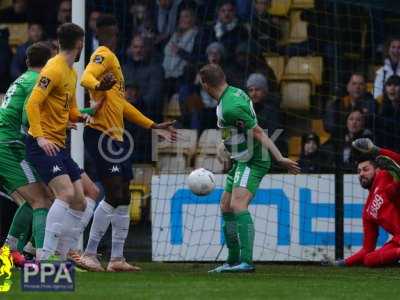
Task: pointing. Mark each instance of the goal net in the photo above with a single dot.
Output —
(314, 60)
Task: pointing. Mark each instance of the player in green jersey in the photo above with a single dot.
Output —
(249, 149)
(17, 176)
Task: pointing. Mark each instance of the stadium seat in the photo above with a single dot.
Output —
(142, 173)
(5, 3)
(208, 141)
(307, 68)
(280, 7)
(139, 195)
(298, 28)
(172, 109)
(209, 162)
(277, 64)
(317, 126)
(18, 33)
(170, 155)
(172, 164)
(302, 4)
(296, 95)
(294, 147)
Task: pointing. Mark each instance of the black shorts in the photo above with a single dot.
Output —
(110, 157)
(49, 167)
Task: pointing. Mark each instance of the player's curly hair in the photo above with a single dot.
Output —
(106, 20)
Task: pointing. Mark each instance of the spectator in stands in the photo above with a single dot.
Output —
(312, 159)
(246, 61)
(388, 135)
(53, 44)
(267, 108)
(196, 105)
(264, 28)
(140, 20)
(181, 48)
(355, 128)
(148, 74)
(64, 14)
(18, 64)
(391, 66)
(91, 41)
(17, 13)
(357, 98)
(166, 16)
(5, 59)
(227, 29)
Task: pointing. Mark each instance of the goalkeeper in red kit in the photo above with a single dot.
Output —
(382, 208)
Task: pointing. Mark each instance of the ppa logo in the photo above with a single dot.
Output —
(48, 276)
(6, 265)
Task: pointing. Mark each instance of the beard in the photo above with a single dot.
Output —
(365, 182)
(78, 56)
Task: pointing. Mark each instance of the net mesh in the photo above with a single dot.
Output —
(319, 59)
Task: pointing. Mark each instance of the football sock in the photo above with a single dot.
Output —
(231, 237)
(87, 215)
(20, 227)
(246, 236)
(54, 225)
(120, 227)
(39, 225)
(70, 232)
(101, 221)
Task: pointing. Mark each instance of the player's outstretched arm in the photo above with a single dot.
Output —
(365, 145)
(267, 143)
(165, 129)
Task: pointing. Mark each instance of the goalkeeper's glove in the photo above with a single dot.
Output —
(365, 145)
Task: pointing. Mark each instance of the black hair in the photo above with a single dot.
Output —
(68, 34)
(106, 20)
(359, 157)
(224, 2)
(393, 80)
(38, 54)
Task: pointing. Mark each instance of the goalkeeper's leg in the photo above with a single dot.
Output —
(388, 254)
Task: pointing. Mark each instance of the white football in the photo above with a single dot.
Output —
(201, 182)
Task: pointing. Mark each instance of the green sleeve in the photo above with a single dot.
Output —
(89, 111)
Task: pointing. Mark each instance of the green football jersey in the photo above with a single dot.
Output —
(236, 118)
(12, 107)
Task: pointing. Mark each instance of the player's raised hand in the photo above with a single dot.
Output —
(365, 145)
(292, 166)
(48, 147)
(107, 82)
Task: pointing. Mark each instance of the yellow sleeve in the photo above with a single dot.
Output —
(74, 112)
(135, 116)
(49, 78)
(98, 65)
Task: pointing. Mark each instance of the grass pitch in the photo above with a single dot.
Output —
(190, 281)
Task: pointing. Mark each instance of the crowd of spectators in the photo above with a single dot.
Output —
(165, 42)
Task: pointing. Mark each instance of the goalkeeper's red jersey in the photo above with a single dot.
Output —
(381, 209)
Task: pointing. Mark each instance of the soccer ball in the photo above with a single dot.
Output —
(201, 182)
